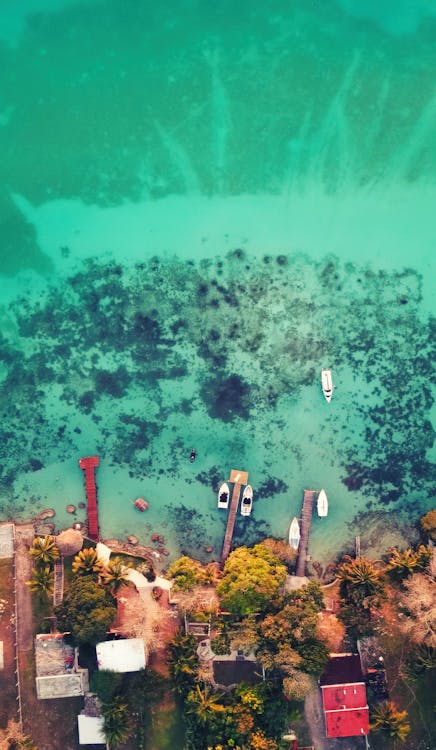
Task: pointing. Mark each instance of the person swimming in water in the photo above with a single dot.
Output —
(192, 456)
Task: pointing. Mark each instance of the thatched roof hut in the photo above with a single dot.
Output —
(69, 542)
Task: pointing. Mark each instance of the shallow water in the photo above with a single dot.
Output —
(202, 208)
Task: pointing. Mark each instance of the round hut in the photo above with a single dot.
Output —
(69, 542)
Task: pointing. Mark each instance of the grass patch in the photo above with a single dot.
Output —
(413, 694)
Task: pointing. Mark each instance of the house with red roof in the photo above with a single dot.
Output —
(344, 697)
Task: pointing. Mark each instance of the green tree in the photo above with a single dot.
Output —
(87, 610)
(44, 550)
(295, 626)
(402, 564)
(386, 718)
(428, 524)
(186, 573)
(116, 727)
(106, 684)
(251, 578)
(115, 576)
(182, 661)
(87, 562)
(204, 704)
(359, 576)
(42, 581)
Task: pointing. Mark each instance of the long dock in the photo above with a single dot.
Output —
(306, 519)
(88, 465)
(238, 478)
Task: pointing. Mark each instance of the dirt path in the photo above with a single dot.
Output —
(8, 703)
(51, 724)
(24, 535)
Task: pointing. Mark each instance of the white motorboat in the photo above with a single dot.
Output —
(327, 384)
(247, 501)
(322, 504)
(223, 496)
(294, 533)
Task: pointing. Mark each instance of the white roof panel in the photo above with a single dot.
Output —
(91, 730)
(121, 656)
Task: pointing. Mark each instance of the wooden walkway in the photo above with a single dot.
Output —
(306, 520)
(58, 588)
(88, 465)
(238, 478)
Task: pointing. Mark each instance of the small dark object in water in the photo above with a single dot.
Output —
(192, 456)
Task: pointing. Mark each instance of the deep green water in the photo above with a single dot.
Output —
(202, 205)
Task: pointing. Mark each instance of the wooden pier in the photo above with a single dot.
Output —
(58, 588)
(88, 465)
(306, 520)
(237, 478)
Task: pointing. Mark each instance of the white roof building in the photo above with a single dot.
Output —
(127, 655)
(91, 730)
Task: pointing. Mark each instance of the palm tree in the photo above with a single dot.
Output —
(116, 726)
(44, 550)
(87, 562)
(116, 575)
(204, 704)
(387, 719)
(42, 581)
(360, 576)
(182, 661)
(403, 564)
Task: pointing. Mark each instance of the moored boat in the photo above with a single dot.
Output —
(327, 384)
(247, 501)
(322, 504)
(294, 533)
(223, 496)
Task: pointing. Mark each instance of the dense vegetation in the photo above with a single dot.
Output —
(392, 599)
(87, 611)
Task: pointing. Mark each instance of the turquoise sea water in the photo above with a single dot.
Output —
(202, 205)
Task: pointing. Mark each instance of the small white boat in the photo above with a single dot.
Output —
(322, 504)
(294, 533)
(327, 384)
(223, 496)
(247, 501)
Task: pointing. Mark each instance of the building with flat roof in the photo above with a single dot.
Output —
(344, 697)
(58, 674)
(127, 655)
(91, 730)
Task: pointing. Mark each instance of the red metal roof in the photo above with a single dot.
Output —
(343, 696)
(349, 723)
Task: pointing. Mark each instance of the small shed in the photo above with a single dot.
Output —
(127, 655)
(91, 730)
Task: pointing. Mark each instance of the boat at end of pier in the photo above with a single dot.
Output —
(223, 496)
(247, 501)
